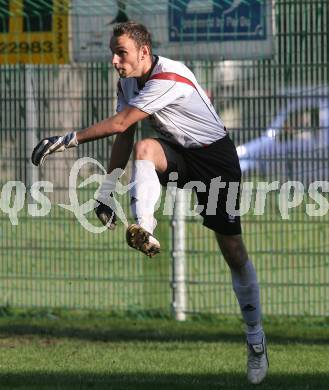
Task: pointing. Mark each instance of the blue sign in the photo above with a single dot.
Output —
(216, 20)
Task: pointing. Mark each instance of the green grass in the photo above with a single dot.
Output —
(91, 352)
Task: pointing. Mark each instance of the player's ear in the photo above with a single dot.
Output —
(145, 52)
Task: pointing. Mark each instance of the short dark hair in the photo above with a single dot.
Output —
(136, 31)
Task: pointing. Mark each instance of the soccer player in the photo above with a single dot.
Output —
(192, 142)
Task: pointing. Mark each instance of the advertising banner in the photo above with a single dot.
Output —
(34, 32)
(181, 29)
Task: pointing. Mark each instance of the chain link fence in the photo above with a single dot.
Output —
(48, 259)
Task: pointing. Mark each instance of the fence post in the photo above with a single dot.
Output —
(178, 257)
(31, 127)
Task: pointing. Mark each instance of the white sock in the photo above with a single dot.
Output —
(255, 333)
(246, 289)
(144, 193)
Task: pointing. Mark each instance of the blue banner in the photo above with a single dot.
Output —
(216, 20)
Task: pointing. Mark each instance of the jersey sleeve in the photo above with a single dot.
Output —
(121, 100)
(158, 94)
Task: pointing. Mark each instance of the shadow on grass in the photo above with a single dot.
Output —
(138, 332)
(136, 381)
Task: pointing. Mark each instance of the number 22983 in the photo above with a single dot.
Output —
(34, 47)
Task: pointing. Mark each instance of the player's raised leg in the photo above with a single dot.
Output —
(246, 288)
(149, 158)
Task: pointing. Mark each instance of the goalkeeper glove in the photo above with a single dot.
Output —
(51, 145)
(106, 215)
(105, 202)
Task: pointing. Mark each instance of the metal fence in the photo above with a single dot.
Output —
(51, 260)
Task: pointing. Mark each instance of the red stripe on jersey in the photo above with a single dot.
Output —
(173, 77)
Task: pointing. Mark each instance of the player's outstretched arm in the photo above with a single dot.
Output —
(117, 124)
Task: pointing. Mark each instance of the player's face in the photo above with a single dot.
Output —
(127, 59)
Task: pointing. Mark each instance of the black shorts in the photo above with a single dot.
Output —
(213, 166)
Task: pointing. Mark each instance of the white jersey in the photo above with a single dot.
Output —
(180, 110)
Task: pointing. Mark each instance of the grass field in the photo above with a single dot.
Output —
(91, 352)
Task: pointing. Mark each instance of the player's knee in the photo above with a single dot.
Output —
(233, 250)
(143, 149)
